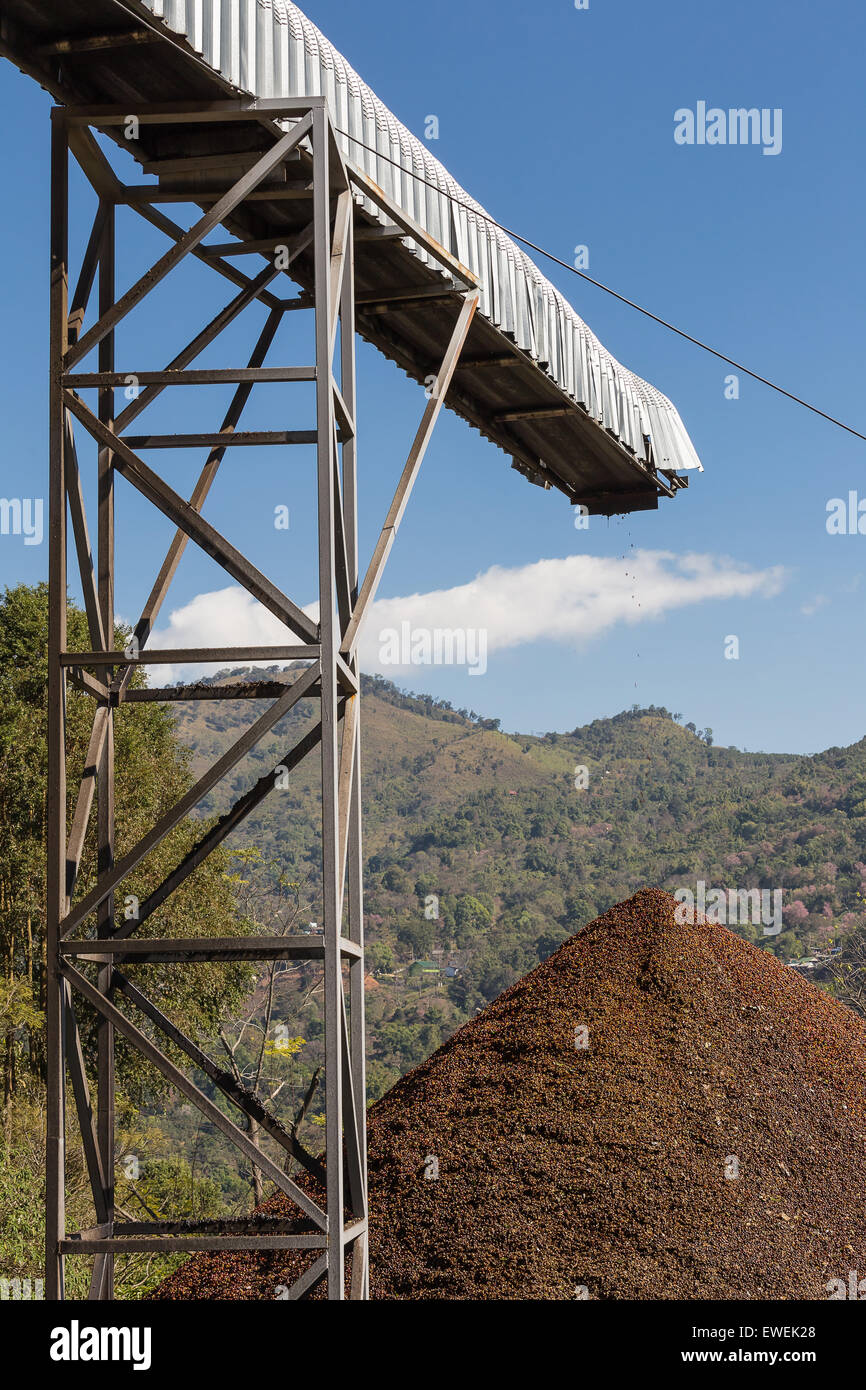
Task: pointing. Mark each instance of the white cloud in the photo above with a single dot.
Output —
(570, 600)
(813, 604)
(222, 618)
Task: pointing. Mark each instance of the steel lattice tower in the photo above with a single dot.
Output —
(268, 143)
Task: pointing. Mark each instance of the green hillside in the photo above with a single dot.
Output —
(494, 827)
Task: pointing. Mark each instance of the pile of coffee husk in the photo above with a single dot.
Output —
(708, 1141)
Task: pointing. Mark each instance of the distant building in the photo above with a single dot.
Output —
(423, 967)
(817, 959)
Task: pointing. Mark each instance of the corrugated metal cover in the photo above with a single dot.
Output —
(268, 48)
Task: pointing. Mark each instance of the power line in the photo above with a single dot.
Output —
(540, 250)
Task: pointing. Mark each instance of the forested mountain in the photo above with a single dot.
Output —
(519, 853)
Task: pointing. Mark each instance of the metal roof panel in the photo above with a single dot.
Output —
(269, 48)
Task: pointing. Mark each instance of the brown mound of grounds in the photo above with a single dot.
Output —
(709, 1141)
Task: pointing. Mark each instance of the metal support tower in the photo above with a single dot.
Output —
(331, 1219)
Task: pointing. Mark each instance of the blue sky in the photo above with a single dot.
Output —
(561, 122)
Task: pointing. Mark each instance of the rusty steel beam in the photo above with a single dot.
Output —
(214, 376)
(186, 518)
(172, 656)
(144, 626)
(103, 179)
(105, 798)
(188, 242)
(204, 949)
(220, 830)
(231, 1089)
(388, 535)
(106, 1009)
(153, 1245)
(56, 899)
(113, 877)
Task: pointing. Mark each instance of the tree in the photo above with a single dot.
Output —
(419, 937)
(470, 917)
(845, 974)
(395, 880)
(380, 957)
(152, 772)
